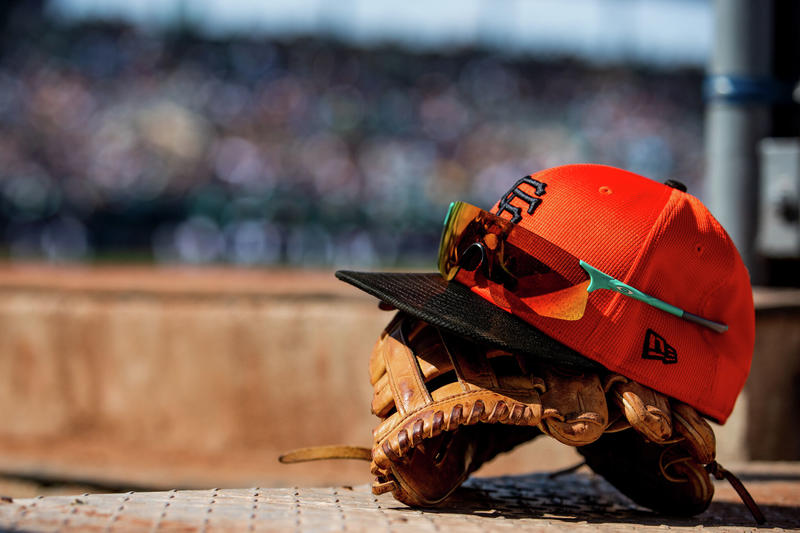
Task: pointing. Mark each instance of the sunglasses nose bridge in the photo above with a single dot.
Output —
(473, 257)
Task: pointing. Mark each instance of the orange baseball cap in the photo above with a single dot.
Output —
(650, 236)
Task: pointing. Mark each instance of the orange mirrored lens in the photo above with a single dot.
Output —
(554, 287)
(459, 217)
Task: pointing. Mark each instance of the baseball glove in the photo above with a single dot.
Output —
(447, 406)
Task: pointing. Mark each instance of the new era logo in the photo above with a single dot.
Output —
(656, 347)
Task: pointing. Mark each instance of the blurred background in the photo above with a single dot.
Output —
(311, 134)
(151, 150)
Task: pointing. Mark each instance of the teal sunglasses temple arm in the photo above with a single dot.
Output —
(601, 280)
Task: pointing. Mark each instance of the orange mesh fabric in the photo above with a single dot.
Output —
(665, 243)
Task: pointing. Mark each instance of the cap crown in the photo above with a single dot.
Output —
(663, 242)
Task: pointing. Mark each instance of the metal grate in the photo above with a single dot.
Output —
(521, 503)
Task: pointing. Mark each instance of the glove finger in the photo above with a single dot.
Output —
(432, 389)
(395, 366)
(419, 480)
(574, 409)
(431, 365)
(438, 466)
(662, 478)
(377, 364)
(645, 409)
(616, 417)
(698, 435)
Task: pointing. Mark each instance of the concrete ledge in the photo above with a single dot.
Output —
(160, 378)
(172, 377)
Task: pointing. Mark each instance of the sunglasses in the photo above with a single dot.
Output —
(557, 287)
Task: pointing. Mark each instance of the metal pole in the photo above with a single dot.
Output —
(738, 90)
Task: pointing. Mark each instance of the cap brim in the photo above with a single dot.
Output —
(453, 307)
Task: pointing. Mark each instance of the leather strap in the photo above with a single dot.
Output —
(716, 470)
(317, 453)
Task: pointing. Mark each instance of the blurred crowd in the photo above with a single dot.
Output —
(121, 144)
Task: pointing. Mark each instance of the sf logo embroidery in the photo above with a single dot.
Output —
(656, 347)
(517, 192)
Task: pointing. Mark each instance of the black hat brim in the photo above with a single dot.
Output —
(453, 307)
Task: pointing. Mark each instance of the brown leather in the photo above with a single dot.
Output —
(422, 444)
(716, 470)
(645, 409)
(698, 437)
(447, 406)
(663, 478)
(440, 465)
(574, 406)
(318, 453)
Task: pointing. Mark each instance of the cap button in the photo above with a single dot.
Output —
(675, 184)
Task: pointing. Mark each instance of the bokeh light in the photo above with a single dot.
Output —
(122, 143)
